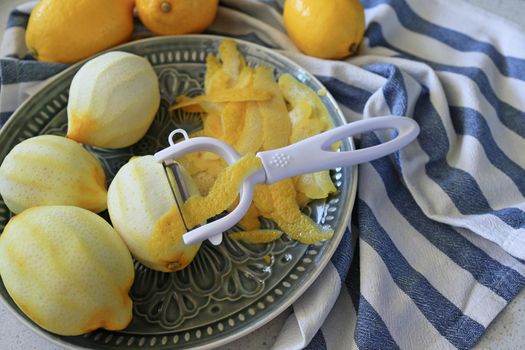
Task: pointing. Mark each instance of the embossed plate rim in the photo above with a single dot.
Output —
(328, 252)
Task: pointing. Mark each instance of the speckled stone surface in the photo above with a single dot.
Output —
(506, 332)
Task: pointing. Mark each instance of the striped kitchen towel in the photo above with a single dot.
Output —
(441, 223)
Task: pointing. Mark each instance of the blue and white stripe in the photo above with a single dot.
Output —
(441, 223)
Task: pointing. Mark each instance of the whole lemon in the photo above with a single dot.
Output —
(67, 269)
(171, 17)
(138, 198)
(68, 31)
(113, 100)
(325, 29)
(52, 170)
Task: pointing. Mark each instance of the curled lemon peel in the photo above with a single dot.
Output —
(223, 192)
(315, 185)
(212, 125)
(231, 121)
(309, 117)
(305, 230)
(226, 95)
(190, 108)
(302, 199)
(250, 221)
(232, 61)
(278, 203)
(251, 138)
(283, 197)
(296, 93)
(213, 66)
(276, 126)
(256, 236)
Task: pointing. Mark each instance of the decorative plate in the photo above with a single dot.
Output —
(228, 290)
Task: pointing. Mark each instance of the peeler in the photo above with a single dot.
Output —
(306, 156)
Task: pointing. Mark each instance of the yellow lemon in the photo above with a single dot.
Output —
(138, 198)
(170, 17)
(67, 269)
(68, 31)
(326, 29)
(52, 170)
(113, 100)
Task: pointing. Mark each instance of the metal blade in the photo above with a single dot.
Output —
(178, 187)
(181, 193)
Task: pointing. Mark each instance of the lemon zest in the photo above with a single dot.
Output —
(226, 95)
(256, 236)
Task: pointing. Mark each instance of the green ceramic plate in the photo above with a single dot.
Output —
(228, 290)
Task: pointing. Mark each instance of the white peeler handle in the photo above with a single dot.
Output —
(315, 154)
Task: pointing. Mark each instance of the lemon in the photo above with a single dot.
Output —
(67, 270)
(325, 29)
(113, 100)
(68, 31)
(170, 17)
(138, 197)
(52, 170)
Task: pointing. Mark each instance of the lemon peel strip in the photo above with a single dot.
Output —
(275, 121)
(223, 192)
(226, 95)
(278, 203)
(256, 236)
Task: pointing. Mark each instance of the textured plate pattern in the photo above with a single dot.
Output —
(228, 289)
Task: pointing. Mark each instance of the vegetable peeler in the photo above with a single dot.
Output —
(306, 156)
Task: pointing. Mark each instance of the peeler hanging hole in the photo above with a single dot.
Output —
(383, 133)
(171, 137)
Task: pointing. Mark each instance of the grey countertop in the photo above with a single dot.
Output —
(506, 332)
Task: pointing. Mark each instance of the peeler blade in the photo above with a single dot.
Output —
(181, 192)
(177, 185)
